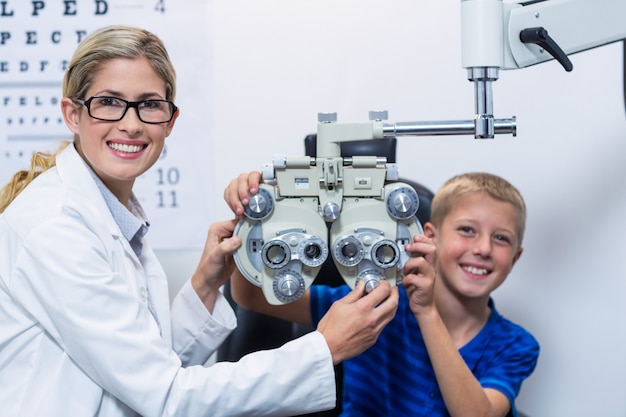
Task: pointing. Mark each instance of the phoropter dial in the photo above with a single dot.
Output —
(402, 202)
(348, 251)
(260, 206)
(371, 278)
(313, 251)
(288, 285)
(385, 253)
(276, 254)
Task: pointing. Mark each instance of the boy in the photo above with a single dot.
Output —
(447, 352)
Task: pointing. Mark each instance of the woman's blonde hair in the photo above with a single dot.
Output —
(39, 162)
(99, 47)
(113, 42)
(477, 182)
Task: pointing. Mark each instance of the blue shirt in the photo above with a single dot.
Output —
(132, 224)
(395, 376)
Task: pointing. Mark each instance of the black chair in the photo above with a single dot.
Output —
(257, 331)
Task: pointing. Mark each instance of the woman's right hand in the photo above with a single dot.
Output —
(237, 193)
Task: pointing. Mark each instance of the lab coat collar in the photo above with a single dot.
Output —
(74, 172)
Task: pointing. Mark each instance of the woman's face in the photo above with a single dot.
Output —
(119, 152)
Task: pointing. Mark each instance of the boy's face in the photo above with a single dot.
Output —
(477, 246)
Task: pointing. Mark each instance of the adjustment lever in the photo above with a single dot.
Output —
(539, 36)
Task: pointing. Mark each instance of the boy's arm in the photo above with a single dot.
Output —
(461, 391)
(251, 297)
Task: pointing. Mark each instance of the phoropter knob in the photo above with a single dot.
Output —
(402, 203)
(288, 285)
(371, 279)
(260, 206)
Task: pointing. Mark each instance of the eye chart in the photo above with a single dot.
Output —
(37, 39)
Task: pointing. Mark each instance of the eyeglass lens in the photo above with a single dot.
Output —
(111, 108)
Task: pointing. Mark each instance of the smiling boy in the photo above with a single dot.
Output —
(447, 352)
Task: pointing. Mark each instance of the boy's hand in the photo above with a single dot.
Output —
(354, 323)
(419, 274)
(237, 193)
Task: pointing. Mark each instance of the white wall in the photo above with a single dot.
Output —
(277, 63)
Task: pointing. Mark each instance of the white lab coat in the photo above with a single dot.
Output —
(77, 338)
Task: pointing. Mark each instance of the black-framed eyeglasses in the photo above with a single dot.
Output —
(113, 109)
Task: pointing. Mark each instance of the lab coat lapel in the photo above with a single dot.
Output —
(75, 174)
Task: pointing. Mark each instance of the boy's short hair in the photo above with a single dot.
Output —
(462, 185)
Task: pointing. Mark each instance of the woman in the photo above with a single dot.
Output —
(85, 323)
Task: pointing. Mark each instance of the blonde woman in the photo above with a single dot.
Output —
(86, 327)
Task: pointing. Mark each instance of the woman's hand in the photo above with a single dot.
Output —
(353, 323)
(216, 262)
